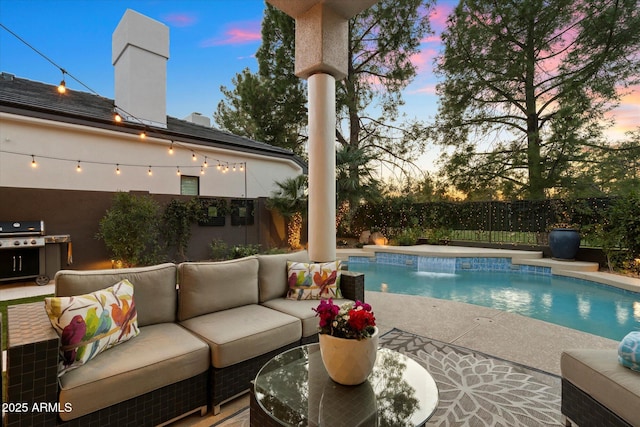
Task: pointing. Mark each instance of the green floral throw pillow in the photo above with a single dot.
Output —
(313, 280)
(90, 324)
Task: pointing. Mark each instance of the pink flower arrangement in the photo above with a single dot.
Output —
(350, 320)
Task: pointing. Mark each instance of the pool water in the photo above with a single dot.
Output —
(578, 304)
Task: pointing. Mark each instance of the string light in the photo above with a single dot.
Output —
(62, 87)
(241, 167)
(178, 172)
(117, 117)
(201, 170)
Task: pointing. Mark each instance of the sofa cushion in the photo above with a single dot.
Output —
(598, 373)
(155, 287)
(303, 310)
(313, 280)
(272, 274)
(207, 287)
(161, 355)
(90, 324)
(242, 333)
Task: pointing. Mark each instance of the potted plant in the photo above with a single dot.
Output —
(348, 340)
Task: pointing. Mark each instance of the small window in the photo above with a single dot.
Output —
(189, 185)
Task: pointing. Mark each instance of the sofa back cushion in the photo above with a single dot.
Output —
(272, 274)
(155, 288)
(207, 287)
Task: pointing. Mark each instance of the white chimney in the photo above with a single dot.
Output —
(140, 50)
(198, 119)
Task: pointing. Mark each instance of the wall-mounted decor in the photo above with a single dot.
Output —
(214, 212)
(242, 212)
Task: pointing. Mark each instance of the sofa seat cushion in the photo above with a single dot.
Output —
(242, 333)
(303, 310)
(598, 373)
(162, 354)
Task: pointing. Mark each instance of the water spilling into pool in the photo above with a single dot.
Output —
(577, 304)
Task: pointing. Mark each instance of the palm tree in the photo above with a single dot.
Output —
(290, 200)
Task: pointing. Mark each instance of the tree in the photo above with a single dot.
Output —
(268, 106)
(290, 200)
(382, 42)
(130, 229)
(525, 88)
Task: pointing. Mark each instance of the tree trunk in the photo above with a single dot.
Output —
(534, 159)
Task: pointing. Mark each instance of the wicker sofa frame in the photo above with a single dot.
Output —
(32, 376)
(578, 407)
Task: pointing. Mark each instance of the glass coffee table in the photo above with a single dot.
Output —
(294, 389)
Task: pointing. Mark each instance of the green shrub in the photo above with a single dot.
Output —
(130, 230)
(219, 250)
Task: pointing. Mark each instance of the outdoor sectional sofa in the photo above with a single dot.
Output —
(597, 390)
(206, 328)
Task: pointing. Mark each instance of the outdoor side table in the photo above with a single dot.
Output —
(294, 389)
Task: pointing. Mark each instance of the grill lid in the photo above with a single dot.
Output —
(21, 228)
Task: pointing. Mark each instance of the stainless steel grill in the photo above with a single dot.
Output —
(23, 254)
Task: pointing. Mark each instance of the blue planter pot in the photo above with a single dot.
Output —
(564, 243)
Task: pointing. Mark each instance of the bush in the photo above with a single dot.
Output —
(130, 230)
(219, 250)
(620, 233)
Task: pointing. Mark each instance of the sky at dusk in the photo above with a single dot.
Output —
(210, 41)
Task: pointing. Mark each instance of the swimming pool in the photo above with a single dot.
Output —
(534, 292)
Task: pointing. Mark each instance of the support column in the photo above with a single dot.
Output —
(322, 170)
(322, 45)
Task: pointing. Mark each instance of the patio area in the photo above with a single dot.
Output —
(504, 335)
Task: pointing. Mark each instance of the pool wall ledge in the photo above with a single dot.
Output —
(576, 269)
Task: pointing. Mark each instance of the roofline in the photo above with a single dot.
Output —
(134, 129)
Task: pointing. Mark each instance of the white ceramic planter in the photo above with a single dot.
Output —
(349, 361)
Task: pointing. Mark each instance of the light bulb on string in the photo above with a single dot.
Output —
(116, 116)
(171, 148)
(78, 168)
(234, 167)
(62, 87)
(178, 171)
(143, 135)
(117, 169)
(193, 157)
(205, 164)
(201, 170)
(149, 172)
(218, 167)
(34, 164)
(241, 167)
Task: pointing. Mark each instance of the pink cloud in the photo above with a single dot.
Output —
(438, 17)
(424, 59)
(181, 19)
(238, 33)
